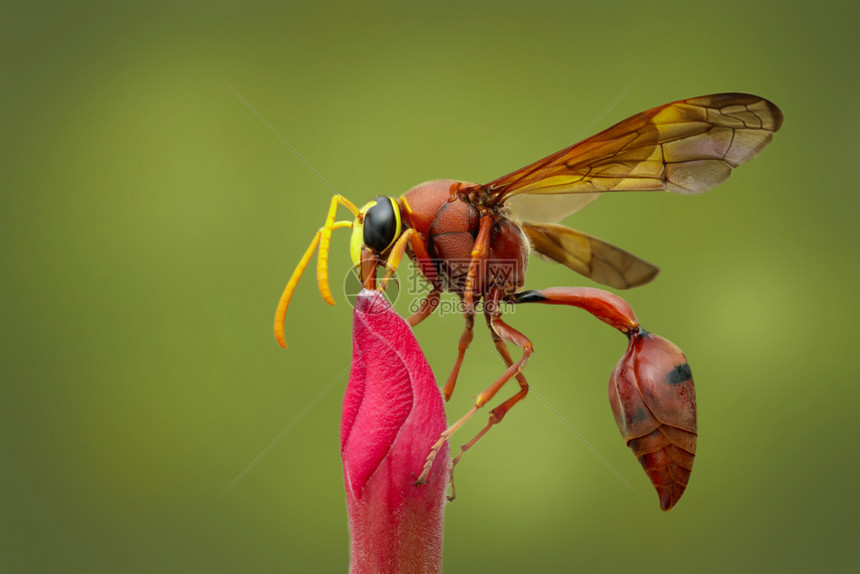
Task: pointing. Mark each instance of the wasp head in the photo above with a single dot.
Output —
(377, 227)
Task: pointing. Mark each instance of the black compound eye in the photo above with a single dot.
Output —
(381, 224)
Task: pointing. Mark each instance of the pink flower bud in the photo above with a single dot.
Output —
(392, 414)
(652, 397)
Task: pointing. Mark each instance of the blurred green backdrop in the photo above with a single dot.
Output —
(150, 221)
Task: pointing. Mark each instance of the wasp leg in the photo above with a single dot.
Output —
(394, 257)
(521, 379)
(507, 333)
(490, 314)
(284, 302)
(424, 261)
(325, 239)
(606, 306)
(480, 251)
(457, 458)
(465, 340)
(428, 269)
(427, 306)
(422, 478)
(367, 268)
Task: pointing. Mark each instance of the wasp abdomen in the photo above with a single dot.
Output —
(654, 402)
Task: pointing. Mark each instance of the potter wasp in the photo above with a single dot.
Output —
(687, 147)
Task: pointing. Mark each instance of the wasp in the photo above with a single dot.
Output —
(687, 147)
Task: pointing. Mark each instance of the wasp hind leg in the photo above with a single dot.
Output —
(497, 414)
(506, 333)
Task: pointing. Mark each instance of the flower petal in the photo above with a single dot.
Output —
(392, 414)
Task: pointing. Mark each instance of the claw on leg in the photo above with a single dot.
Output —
(422, 478)
(456, 460)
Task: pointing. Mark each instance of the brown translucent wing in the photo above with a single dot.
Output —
(688, 146)
(589, 256)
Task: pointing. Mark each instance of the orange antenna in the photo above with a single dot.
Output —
(281, 311)
(284, 302)
(325, 239)
(322, 239)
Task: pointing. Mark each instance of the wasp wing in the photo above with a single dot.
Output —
(589, 256)
(688, 146)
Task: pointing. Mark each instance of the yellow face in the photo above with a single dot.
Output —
(377, 227)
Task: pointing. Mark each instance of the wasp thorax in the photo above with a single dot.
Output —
(381, 224)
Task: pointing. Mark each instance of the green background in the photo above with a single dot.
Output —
(149, 222)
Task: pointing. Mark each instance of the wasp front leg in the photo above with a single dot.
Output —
(428, 269)
(394, 257)
(369, 261)
(428, 305)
